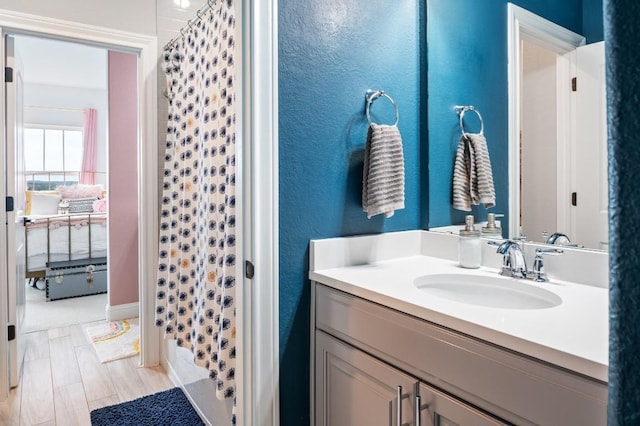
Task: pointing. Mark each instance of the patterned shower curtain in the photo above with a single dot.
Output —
(196, 283)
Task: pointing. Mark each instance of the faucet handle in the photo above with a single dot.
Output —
(538, 263)
(552, 252)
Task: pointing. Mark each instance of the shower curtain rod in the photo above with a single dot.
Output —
(209, 5)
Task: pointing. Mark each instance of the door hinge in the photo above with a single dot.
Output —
(11, 333)
(8, 75)
(574, 84)
(249, 269)
(574, 198)
(9, 204)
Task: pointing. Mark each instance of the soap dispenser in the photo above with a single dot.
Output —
(492, 230)
(469, 246)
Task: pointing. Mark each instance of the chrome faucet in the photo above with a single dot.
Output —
(558, 238)
(513, 261)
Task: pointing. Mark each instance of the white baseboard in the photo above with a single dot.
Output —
(124, 311)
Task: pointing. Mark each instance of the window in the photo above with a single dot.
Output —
(53, 156)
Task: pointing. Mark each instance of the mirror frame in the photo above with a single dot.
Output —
(525, 25)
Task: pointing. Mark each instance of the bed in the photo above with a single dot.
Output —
(63, 232)
(58, 238)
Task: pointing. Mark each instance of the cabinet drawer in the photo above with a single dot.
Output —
(516, 388)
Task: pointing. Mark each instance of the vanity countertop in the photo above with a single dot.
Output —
(573, 335)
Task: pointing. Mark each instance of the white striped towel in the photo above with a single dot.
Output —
(383, 174)
(472, 176)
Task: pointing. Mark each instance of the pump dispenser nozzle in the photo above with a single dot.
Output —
(469, 228)
(492, 230)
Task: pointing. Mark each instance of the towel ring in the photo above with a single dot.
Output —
(460, 110)
(372, 95)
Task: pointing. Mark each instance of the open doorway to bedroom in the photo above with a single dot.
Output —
(67, 119)
(65, 180)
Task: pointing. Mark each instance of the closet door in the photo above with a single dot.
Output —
(591, 207)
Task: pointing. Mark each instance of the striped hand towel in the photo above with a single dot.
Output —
(472, 176)
(383, 174)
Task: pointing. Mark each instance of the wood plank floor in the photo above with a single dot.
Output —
(62, 380)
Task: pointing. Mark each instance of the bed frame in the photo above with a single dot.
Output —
(69, 221)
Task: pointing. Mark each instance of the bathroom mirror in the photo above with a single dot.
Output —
(536, 181)
(557, 133)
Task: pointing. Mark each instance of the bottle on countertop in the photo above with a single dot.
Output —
(469, 245)
(493, 229)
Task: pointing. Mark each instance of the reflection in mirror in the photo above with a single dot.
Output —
(557, 132)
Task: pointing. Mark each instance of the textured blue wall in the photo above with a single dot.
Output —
(330, 53)
(622, 34)
(467, 57)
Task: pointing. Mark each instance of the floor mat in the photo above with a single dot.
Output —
(115, 339)
(170, 407)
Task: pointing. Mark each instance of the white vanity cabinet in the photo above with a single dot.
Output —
(362, 352)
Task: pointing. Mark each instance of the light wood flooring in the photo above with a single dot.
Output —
(62, 380)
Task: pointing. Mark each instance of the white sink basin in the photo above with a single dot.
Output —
(493, 292)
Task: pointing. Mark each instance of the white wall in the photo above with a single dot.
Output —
(72, 98)
(138, 16)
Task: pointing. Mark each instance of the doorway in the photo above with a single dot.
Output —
(60, 82)
(143, 48)
(540, 66)
(557, 133)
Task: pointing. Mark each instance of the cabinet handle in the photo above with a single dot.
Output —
(418, 402)
(399, 410)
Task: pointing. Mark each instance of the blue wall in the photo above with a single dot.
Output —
(592, 22)
(467, 57)
(330, 53)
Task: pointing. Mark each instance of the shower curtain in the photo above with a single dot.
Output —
(196, 282)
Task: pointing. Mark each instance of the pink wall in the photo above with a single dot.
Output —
(123, 178)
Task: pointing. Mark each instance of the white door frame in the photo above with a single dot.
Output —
(525, 25)
(146, 47)
(259, 344)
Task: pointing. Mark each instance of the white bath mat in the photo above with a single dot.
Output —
(116, 339)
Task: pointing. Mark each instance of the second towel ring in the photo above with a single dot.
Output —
(372, 95)
(461, 109)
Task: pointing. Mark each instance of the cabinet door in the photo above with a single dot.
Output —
(438, 409)
(352, 388)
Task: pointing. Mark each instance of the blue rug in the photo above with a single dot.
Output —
(167, 408)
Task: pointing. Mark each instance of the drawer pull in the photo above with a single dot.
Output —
(418, 401)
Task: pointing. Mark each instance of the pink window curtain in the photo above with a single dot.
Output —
(90, 147)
